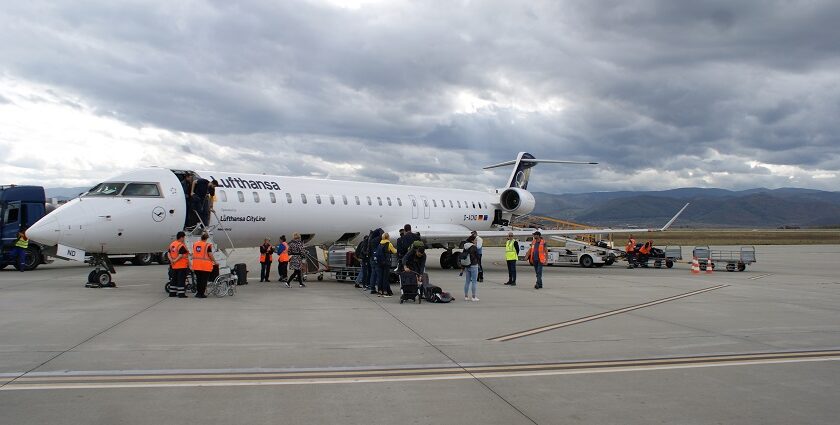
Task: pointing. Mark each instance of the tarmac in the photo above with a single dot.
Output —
(601, 346)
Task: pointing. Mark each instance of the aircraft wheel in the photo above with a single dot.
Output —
(445, 261)
(142, 259)
(103, 278)
(453, 260)
(92, 277)
(586, 261)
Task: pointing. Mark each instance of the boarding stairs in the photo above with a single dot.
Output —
(226, 281)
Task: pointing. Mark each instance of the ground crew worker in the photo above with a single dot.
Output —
(266, 251)
(537, 256)
(19, 250)
(511, 255)
(202, 264)
(282, 259)
(179, 258)
(630, 250)
(644, 253)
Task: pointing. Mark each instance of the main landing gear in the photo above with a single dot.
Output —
(449, 259)
(100, 277)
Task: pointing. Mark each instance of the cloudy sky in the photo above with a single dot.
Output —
(662, 94)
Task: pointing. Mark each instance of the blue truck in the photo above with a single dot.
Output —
(20, 207)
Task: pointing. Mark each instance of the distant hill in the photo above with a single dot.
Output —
(755, 208)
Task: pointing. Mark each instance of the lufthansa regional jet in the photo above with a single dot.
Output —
(142, 210)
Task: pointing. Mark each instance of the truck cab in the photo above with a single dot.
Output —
(20, 207)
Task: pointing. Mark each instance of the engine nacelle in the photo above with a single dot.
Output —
(517, 201)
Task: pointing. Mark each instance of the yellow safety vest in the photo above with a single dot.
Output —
(510, 250)
(22, 243)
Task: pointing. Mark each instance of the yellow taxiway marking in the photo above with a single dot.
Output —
(547, 328)
(223, 379)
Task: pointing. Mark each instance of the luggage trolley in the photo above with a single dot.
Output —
(735, 260)
(342, 263)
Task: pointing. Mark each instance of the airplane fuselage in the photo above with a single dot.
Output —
(251, 207)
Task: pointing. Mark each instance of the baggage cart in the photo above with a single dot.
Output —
(734, 259)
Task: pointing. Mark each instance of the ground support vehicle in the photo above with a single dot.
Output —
(574, 254)
(20, 207)
(659, 257)
(734, 259)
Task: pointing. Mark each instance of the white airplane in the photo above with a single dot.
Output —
(142, 210)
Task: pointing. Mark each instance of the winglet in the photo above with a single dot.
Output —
(673, 219)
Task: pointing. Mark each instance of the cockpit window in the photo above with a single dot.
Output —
(141, 189)
(106, 189)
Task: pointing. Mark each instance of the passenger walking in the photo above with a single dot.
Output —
(403, 244)
(472, 270)
(537, 256)
(179, 259)
(19, 250)
(211, 197)
(297, 251)
(362, 254)
(202, 264)
(511, 256)
(383, 255)
(266, 253)
(479, 245)
(373, 243)
(187, 185)
(630, 252)
(282, 259)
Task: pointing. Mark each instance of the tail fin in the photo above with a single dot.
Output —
(522, 168)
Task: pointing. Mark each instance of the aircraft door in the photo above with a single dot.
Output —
(427, 209)
(415, 212)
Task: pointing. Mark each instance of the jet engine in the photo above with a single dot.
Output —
(517, 201)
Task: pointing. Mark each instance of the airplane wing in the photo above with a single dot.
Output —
(460, 232)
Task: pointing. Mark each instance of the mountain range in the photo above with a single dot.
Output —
(753, 208)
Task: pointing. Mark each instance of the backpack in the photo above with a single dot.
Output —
(380, 256)
(464, 258)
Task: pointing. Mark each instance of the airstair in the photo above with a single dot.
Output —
(223, 280)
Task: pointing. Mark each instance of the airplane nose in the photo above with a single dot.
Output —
(45, 231)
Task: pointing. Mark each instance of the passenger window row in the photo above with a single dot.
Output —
(273, 199)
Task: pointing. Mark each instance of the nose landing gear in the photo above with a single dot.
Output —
(100, 277)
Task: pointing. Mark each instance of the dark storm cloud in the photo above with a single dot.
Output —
(689, 88)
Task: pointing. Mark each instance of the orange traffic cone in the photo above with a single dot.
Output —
(695, 266)
(710, 266)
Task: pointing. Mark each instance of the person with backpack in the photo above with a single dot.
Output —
(373, 243)
(362, 254)
(296, 257)
(382, 257)
(468, 259)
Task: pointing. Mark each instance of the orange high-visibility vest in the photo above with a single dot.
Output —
(539, 248)
(174, 247)
(201, 256)
(645, 249)
(283, 257)
(631, 245)
(265, 257)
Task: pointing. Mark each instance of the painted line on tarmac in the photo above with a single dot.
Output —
(761, 276)
(328, 376)
(551, 327)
